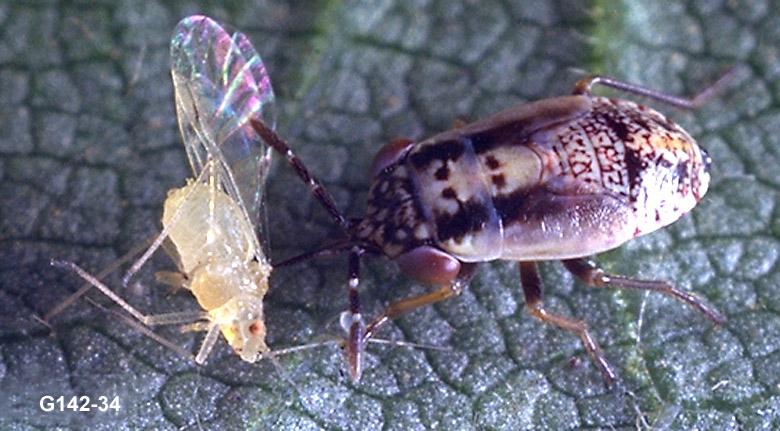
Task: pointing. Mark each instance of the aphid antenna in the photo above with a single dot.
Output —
(640, 319)
(42, 321)
(140, 323)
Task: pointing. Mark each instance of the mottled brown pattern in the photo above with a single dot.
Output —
(604, 162)
(393, 219)
(636, 153)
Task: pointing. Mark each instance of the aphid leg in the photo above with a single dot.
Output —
(353, 320)
(149, 320)
(277, 143)
(590, 273)
(584, 86)
(175, 279)
(67, 302)
(143, 329)
(208, 343)
(152, 320)
(532, 289)
(195, 327)
(160, 239)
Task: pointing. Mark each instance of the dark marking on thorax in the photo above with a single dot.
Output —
(470, 217)
(446, 150)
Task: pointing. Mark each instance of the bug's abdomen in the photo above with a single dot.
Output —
(586, 175)
(637, 155)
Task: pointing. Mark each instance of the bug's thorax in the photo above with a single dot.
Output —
(555, 179)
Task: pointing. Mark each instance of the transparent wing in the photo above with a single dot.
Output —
(220, 83)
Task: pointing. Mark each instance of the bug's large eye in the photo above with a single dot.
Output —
(389, 154)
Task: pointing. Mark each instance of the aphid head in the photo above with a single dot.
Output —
(241, 322)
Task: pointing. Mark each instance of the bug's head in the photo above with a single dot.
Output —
(241, 322)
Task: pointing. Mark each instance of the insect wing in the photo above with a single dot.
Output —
(220, 83)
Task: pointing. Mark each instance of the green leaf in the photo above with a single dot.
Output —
(89, 146)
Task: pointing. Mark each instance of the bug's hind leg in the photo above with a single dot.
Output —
(590, 273)
(585, 85)
(532, 289)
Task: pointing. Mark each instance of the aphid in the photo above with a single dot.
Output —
(214, 220)
(557, 179)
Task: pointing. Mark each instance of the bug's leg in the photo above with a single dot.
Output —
(315, 187)
(352, 320)
(590, 273)
(532, 289)
(149, 320)
(584, 86)
(396, 309)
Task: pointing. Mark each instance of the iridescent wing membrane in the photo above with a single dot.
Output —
(220, 83)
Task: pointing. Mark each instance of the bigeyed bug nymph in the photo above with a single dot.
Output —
(557, 179)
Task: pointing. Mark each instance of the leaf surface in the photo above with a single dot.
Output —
(89, 147)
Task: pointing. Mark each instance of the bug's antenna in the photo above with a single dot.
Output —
(351, 319)
(316, 188)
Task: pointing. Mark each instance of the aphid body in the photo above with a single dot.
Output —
(216, 222)
(218, 258)
(220, 84)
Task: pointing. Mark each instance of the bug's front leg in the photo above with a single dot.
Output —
(355, 345)
(532, 289)
(590, 273)
(352, 320)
